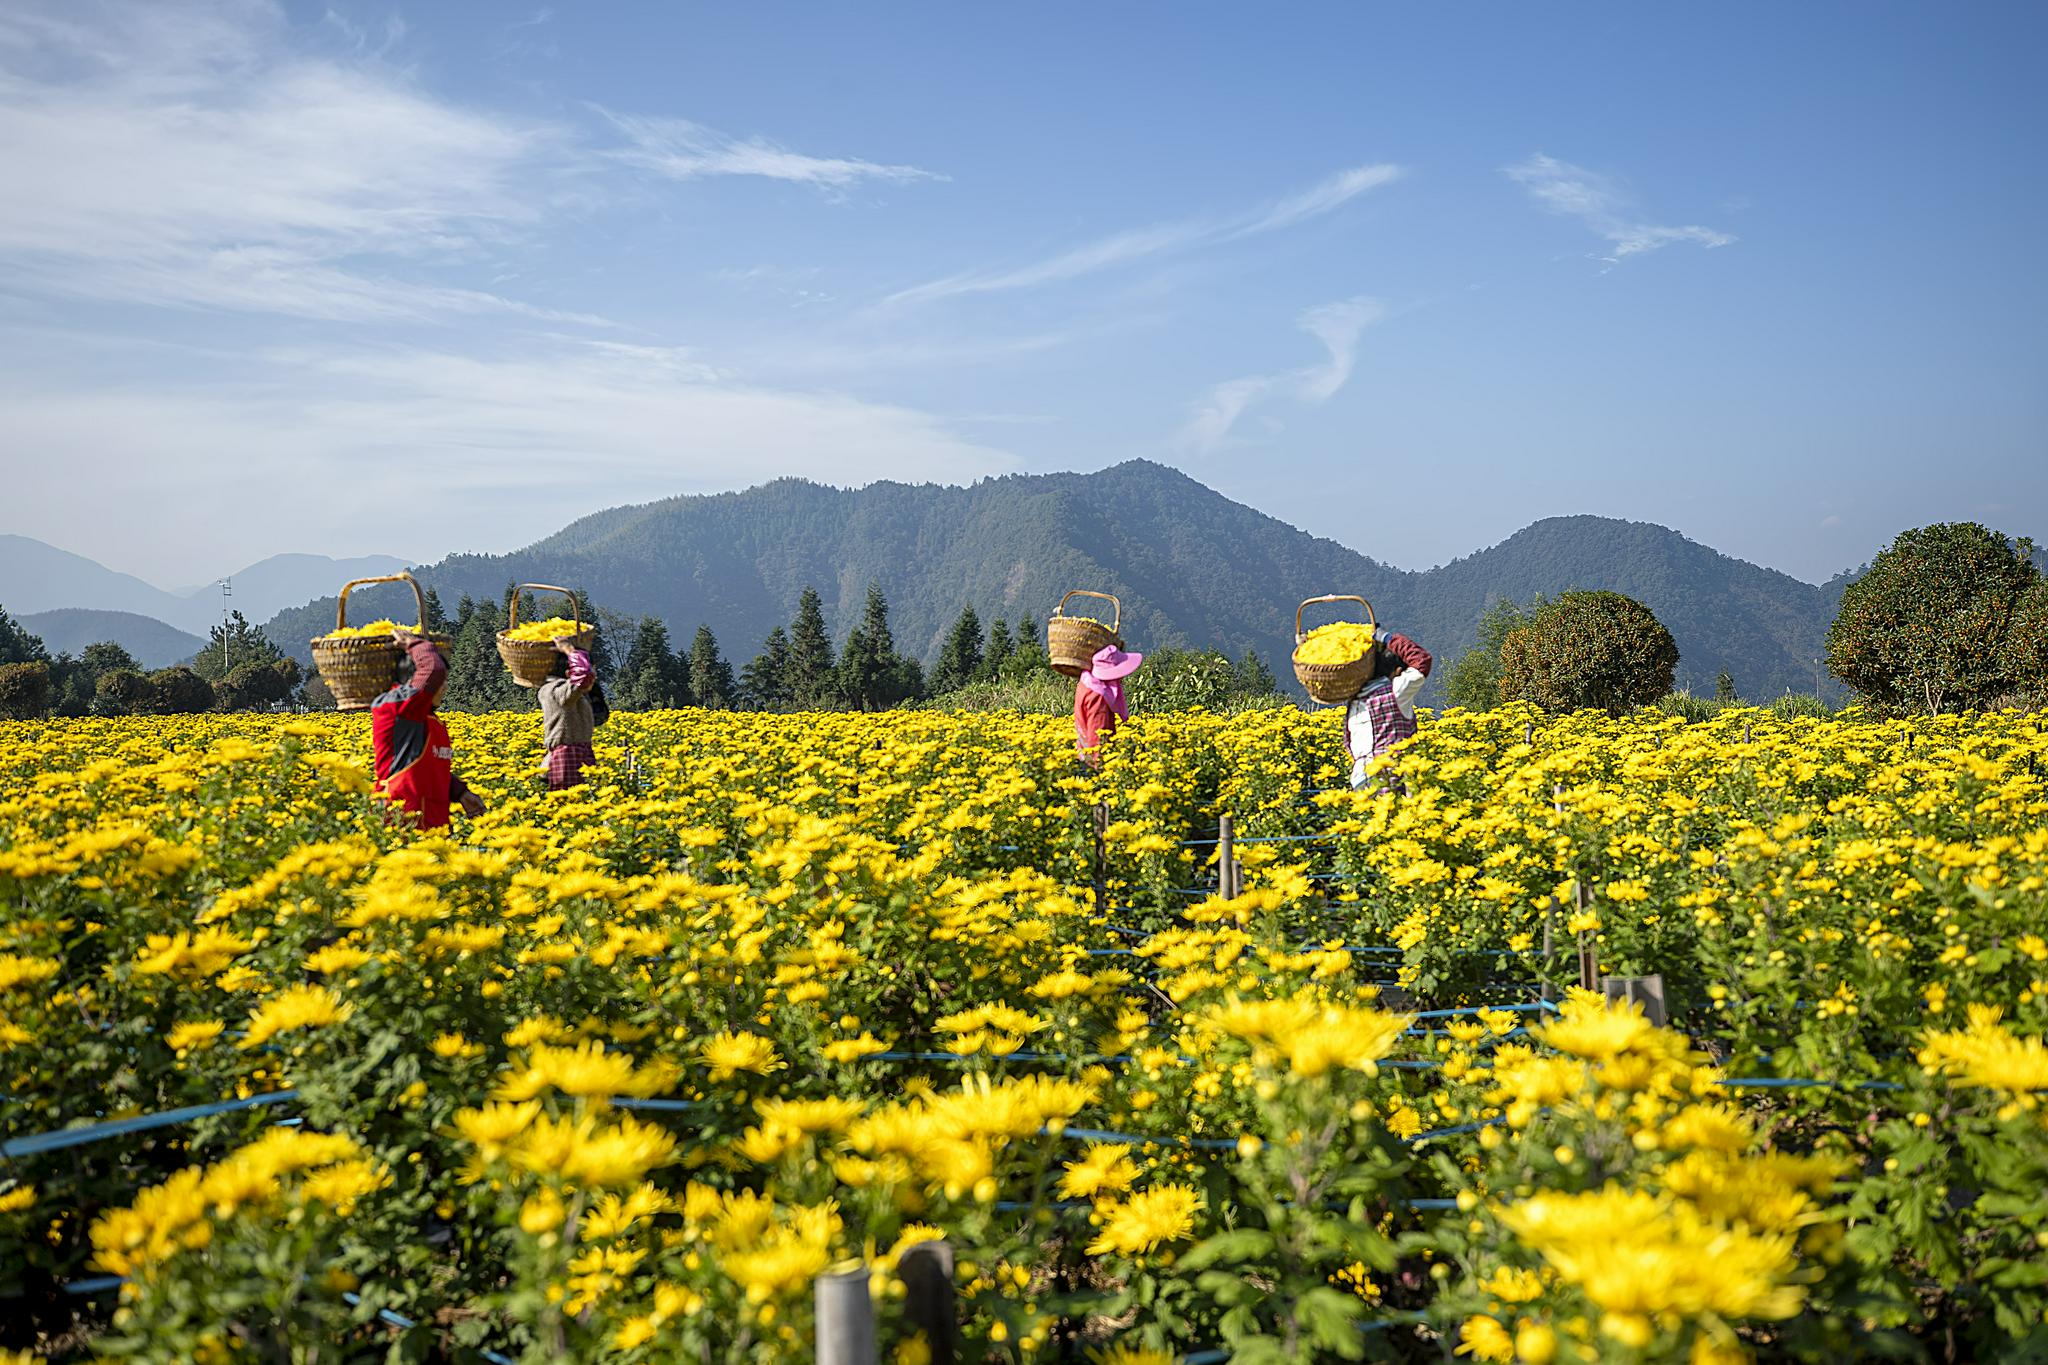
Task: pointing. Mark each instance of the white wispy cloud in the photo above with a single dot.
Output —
(1139, 243)
(1338, 326)
(204, 154)
(681, 150)
(183, 154)
(1603, 206)
(438, 448)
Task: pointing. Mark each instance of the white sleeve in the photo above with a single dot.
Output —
(1406, 684)
(1358, 724)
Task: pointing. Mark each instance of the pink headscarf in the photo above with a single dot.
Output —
(1111, 692)
(1105, 676)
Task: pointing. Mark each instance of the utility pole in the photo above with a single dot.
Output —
(227, 590)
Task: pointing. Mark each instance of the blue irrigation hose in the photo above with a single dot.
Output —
(99, 1132)
(1533, 1007)
(95, 1286)
(1452, 1132)
(1802, 1083)
(403, 1323)
(665, 1105)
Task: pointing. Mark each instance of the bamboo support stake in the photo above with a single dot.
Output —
(1101, 863)
(1589, 965)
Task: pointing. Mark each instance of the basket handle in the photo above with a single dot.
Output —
(1371, 618)
(419, 598)
(1116, 607)
(575, 608)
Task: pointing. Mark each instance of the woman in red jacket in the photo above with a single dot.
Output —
(415, 760)
(1099, 703)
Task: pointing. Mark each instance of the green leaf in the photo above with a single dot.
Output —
(1329, 1317)
(1228, 1248)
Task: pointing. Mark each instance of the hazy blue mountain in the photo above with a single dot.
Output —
(270, 585)
(1193, 569)
(36, 577)
(68, 630)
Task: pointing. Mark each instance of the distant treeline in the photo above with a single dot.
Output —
(239, 670)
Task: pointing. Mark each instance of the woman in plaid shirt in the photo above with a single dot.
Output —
(568, 715)
(1383, 712)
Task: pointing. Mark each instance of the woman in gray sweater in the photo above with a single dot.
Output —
(569, 702)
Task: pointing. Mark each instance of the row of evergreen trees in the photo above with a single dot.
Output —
(798, 667)
(239, 670)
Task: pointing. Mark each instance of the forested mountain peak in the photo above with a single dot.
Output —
(1192, 567)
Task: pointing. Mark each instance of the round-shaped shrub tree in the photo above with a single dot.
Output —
(1588, 649)
(1929, 626)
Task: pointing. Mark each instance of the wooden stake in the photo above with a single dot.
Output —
(927, 1271)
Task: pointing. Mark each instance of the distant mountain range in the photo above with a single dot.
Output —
(68, 630)
(1193, 568)
(37, 578)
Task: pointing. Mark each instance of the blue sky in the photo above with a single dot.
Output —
(419, 278)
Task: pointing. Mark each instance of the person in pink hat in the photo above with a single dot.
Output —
(1099, 705)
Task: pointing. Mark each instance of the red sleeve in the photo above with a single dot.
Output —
(1408, 652)
(1091, 717)
(429, 670)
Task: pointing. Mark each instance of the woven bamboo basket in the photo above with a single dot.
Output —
(531, 661)
(1072, 641)
(359, 669)
(1335, 684)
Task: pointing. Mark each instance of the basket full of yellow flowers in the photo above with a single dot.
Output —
(529, 650)
(1333, 662)
(1071, 642)
(360, 663)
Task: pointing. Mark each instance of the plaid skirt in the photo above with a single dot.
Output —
(565, 765)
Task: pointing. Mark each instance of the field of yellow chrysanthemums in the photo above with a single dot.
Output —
(618, 1073)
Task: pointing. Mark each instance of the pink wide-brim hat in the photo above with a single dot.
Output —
(1111, 663)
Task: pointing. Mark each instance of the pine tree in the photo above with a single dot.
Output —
(761, 682)
(1000, 648)
(906, 680)
(1030, 643)
(477, 678)
(17, 646)
(437, 619)
(232, 644)
(872, 675)
(864, 663)
(960, 657)
(710, 675)
(808, 681)
(653, 677)
(1254, 678)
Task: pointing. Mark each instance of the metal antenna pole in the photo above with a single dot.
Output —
(227, 590)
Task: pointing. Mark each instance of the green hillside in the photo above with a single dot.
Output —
(1194, 569)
